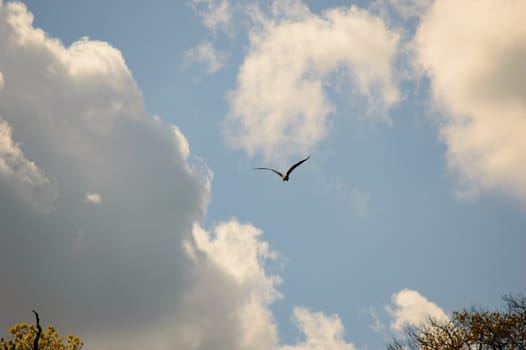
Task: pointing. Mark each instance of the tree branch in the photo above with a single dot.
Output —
(39, 331)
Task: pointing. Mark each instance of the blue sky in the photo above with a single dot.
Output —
(128, 136)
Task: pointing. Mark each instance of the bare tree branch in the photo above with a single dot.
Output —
(39, 331)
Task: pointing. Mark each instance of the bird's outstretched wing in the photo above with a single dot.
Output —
(277, 172)
(296, 165)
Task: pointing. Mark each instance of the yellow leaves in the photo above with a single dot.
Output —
(23, 335)
(74, 343)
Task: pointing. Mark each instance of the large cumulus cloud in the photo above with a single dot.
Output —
(474, 54)
(73, 126)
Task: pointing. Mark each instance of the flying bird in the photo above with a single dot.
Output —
(285, 177)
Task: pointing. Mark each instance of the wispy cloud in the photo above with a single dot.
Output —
(360, 201)
(216, 14)
(207, 55)
(378, 325)
(405, 9)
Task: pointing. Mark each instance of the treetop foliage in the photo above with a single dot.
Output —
(24, 336)
(475, 329)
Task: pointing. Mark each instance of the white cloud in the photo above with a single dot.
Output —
(412, 309)
(474, 52)
(92, 197)
(207, 55)
(181, 142)
(225, 305)
(2, 82)
(378, 325)
(216, 14)
(228, 304)
(235, 250)
(26, 179)
(322, 332)
(280, 105)
(73, 119)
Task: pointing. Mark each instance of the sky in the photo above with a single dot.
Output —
(132, 217)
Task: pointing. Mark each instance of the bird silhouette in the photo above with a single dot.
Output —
(285, 177)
